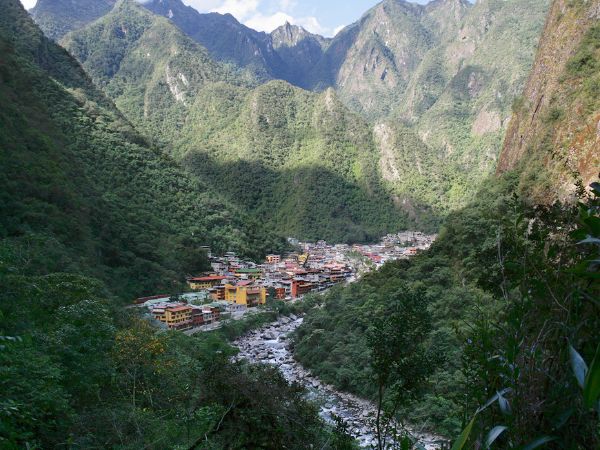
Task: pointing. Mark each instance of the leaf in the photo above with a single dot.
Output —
(590, 240)
(504, 405)
(538, 442)
(591, 389)
(460, 443)
(493, 399)
(562, 418)
(493, 435)
(593, 224)
(579, 366)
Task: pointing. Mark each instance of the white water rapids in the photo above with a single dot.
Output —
(271, 345)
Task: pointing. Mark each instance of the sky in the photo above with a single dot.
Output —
(325, 17)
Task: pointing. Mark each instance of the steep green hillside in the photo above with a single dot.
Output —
(449, 71)
(148, 67)
(437, 83)
(510, 288)
(82, 193)
(81, 189)
(298, 161)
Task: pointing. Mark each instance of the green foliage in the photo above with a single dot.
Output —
(83, 191)
(300, 163)
(450, 280)
(506, 287)
(94, 376)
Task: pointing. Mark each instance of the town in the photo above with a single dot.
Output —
(236, 286)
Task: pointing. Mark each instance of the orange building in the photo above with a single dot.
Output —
(301, 287)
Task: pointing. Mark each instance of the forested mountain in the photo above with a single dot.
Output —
(493, 329)
(82, 195)
(299, 161)
(81, 188)
(437, 92)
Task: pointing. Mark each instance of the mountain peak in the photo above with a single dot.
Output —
(290, 35)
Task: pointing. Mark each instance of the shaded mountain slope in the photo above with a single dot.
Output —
(81, 189)
(311, 167)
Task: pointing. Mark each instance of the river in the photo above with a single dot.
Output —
(271, 345)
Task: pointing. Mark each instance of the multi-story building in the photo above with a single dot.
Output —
(176, 317)
(273, 259)
(207, 282)
(246, 293)
(301, 287)
(244, 273)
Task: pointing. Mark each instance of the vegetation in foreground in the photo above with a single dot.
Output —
(510, 291)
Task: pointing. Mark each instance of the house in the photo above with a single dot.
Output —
(175, 316)
(301, 287)
(254, 274)
(246, 293)
(273, 259)
(197, 316)
(280, 293)
(217, 293)
(208, 282)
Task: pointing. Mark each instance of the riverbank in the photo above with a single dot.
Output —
(271, 345)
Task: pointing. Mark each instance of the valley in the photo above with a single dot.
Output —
(272, 345)
(153, 151)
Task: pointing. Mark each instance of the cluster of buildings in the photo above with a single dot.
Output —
(183, 313)
(234, 284)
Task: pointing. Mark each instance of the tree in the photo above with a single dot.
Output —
(400, 359)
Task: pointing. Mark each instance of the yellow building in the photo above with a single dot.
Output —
(246, 293)
(205, 282)
(176, 317)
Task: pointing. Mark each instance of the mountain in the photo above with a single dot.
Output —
(436, 82)
(288, 53)
(224, 37)
(449, 70)
(299, 50)
(504, 300)
(57, 17)
(296, 160)
(554, 135)
(147, 66)
(83, 192)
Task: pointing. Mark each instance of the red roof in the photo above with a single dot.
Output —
(211, 278)
(180, 308)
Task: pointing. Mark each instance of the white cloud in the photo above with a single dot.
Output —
(268, 23)
(240, 9)
(287, 5)
(204, 5)
(336, 30)
(28, 4)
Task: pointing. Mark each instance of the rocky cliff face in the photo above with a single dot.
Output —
(554, 136)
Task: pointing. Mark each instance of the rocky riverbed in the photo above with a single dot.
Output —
(271, 345)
